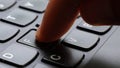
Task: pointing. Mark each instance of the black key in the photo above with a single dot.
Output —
(3, 65)
(7, 32)
(18, 55)
(81, 40)
(5, 4)
(94, 29)
(28, 38)
(20, 17)
(64, 57)
(43, 66)
(35, 5)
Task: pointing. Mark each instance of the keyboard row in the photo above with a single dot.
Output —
(65, 54)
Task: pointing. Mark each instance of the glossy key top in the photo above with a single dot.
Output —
(7, 32)
(43, 65)
(81, 40)
(5, 4)
(18, 55)
(35, 5)
(28, 38)
(20, 17)
(100, 30)
(64, 57)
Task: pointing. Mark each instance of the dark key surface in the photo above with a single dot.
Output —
(35, 5)
(20, 17)
(43, 66)
(64, 57)
(81, 40)
(5, 4)
(94, 29)
(28, 38)
(7, 32)
(2, 65)
(18, 55)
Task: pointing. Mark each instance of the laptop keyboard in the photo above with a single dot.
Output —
(19, 20)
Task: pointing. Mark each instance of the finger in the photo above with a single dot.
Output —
(58, 18)
(116, 10)
(100, 12)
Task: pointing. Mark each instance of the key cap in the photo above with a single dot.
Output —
(18, 55)
(28, 38)
(5, 4)
(7, 32)
(2, 65)
(20, 17)
(35, 5)
(81, 40)
(43, 66)
(93, 29)
(64, 57)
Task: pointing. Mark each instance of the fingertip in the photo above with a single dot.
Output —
(58, 18)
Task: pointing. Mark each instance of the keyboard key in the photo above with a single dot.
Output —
(35, 5)
(94, 29)
(43, 66)
(20, 17)
(7, 32)
(18, 55)
(64, 57)
(3, 65)
(5, 4)
(81, 40)
(28, 38)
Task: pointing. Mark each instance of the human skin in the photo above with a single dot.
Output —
(61, 14)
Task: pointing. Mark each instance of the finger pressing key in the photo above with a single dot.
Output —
(60, 15)
(58, 18)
